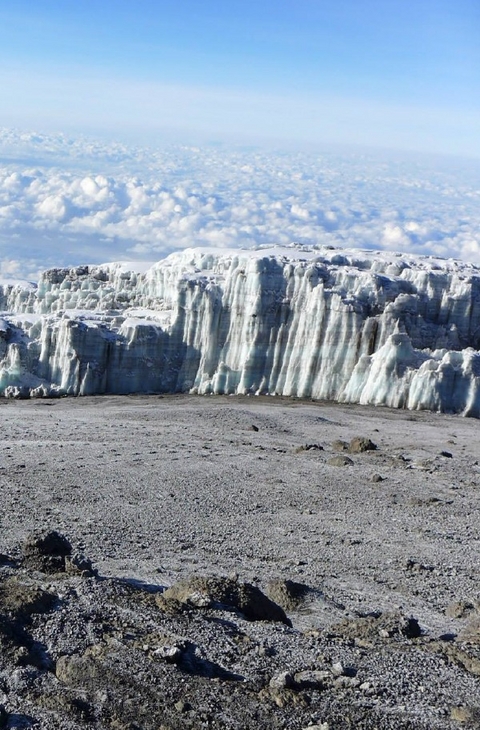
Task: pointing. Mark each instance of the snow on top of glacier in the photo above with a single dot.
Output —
(349, 257)
(12, 282)
(199, 262)
(139, 267)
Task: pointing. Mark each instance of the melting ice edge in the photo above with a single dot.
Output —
(352, 326)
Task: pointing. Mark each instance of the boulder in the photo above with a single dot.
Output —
(360, 444)
(223, 593)
(287, 593)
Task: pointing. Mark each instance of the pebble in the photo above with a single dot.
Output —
(182, 706)
(338, 669)
(282, 680)
(170, 654)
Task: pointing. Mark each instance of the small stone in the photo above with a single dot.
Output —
(170, 654)
(311, 679)
(283, 680)
(459, 609)
(376, 478)
(446, 454)
(253, 427)
(338, 669)
(461, 714)
(79, 564)
(339, 445)
(21, 655)
(309, 447)
(358, 445)
(415, 565)
(347, 683)
(339, 461)
(183, 706)
(287, 593)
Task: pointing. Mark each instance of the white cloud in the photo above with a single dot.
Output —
(394, 237)
(53, 208)
(69, 201)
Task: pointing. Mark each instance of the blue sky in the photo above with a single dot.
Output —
(385, 73)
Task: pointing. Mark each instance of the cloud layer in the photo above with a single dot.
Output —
(70, 201)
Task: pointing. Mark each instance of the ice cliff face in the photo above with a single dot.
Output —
(353, 326)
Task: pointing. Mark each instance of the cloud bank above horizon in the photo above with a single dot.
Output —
(300, 72)
(68, 201)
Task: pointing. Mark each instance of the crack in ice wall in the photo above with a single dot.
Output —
(354, 326)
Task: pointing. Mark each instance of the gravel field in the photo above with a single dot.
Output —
(373, 554)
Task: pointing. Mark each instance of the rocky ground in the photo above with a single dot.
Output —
(186, 562)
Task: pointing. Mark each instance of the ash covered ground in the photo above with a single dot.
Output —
(218, 562)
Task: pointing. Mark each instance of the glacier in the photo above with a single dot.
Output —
(355, 326)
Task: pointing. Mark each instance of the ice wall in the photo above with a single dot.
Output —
(353, 326)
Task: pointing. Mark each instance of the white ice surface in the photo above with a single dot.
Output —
(314, 322)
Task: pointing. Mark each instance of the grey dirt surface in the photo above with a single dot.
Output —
(374, 555)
